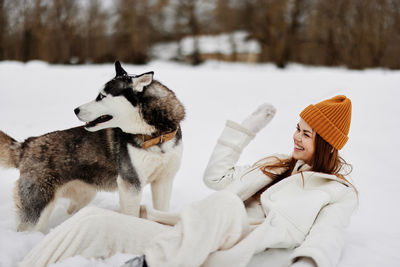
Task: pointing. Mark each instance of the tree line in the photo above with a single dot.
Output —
(357, 34)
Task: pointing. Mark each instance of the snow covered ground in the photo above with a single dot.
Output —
(36, 98)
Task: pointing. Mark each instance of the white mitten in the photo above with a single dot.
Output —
(259, 118)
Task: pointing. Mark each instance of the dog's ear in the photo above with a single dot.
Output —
(119, 70)
(142, 80)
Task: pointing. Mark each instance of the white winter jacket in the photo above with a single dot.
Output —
(309, 218)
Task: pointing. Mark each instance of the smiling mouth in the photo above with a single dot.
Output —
(298, 148)
(99, 120)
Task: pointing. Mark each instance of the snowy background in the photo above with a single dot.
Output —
(36, 98)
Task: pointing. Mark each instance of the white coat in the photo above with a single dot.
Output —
(309, 218)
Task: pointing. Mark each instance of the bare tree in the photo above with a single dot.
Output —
(229, 17)
(358, 33)
(34, 33)
(62, 24)
(132, 36)
(94, 33)
(268, 25)
(187, 24)
(327, 31)
(3, 28)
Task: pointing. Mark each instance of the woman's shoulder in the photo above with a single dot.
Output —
(342, 184)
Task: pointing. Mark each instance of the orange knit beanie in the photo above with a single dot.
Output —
(330, 119)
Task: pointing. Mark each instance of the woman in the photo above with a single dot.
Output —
(301, 202)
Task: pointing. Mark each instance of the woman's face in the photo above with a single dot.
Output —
(303, 138)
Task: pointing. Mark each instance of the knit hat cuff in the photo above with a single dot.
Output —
(324, 127)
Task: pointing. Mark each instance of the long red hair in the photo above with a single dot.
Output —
(326, 159)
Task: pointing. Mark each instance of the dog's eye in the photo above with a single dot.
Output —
(100, 97)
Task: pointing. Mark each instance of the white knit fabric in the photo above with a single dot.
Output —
(94, 233)
(100, 233)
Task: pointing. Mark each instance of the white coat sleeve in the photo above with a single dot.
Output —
(326, 238)
(221, 169)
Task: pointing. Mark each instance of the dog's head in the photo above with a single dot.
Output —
(136, 104)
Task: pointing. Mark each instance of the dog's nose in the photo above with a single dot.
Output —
(76, 111)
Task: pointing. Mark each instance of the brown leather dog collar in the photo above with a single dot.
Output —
(149, 141)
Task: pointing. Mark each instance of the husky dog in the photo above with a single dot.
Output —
(131, 137)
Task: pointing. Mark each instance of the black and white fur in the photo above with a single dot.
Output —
(105, 154)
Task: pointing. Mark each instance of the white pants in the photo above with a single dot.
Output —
(216, 223)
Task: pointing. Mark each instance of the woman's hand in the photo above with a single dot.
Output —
(259, 118)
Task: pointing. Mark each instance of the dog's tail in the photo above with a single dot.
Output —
(10, 151)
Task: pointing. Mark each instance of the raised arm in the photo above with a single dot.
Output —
(221, 169)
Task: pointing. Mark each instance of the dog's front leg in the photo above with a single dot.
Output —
(161, 192)
(129, 197)
(161, 185)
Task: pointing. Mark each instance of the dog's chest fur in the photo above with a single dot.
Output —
(140, 166)
(154, 161)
